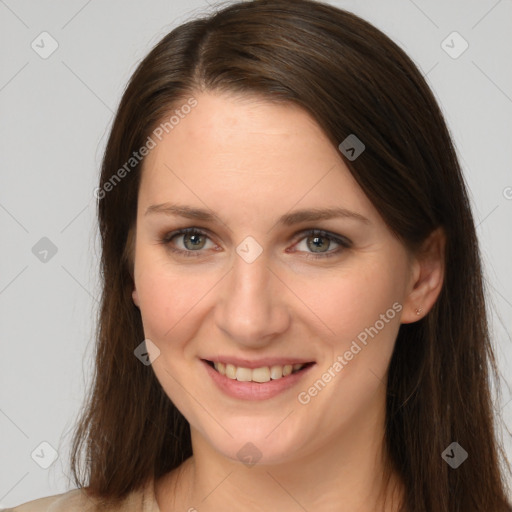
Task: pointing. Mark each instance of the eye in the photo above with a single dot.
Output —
(193, 241)
(318, 242)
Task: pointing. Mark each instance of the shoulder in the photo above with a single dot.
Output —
(70, 501)
(77, 500)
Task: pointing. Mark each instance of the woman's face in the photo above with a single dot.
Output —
(251, 286)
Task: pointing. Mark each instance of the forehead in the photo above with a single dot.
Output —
(262, 154)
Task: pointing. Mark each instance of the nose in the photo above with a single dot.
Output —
(251, 308)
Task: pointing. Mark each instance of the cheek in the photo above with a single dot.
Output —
(170, 298)
(360, 313)
(347, 301)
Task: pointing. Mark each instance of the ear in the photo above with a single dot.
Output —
(427, 277)
(135, 297)
(129, 258)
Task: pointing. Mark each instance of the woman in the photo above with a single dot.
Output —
(293, 314)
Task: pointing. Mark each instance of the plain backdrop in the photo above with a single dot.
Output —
(55, 113)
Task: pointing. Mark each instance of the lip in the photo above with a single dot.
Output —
(256, 363)
(254, 390)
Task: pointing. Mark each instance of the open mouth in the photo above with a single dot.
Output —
(260, 375)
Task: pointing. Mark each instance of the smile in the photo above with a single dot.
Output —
(259, 383)
(262, 374)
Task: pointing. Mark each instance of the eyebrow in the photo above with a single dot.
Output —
(288, 219)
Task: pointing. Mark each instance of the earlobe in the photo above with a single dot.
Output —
(427, 278)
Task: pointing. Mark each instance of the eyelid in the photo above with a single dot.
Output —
(340, 239)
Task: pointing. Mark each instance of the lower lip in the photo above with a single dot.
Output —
(254, 390)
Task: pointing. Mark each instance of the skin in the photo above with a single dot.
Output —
(250, 161)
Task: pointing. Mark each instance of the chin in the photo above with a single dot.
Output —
(260, 444)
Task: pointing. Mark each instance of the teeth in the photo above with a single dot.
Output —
(263, 374)
(260, 374)
(243, 374)
(230, 371)
(276, 372)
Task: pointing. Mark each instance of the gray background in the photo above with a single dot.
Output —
(55, 116)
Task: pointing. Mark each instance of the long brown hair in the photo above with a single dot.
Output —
(353, 80)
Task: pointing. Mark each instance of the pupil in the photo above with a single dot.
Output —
(317, 241)
(195, 239)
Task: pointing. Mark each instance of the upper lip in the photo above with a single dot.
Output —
(257, 363)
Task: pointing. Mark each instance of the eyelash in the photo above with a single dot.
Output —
(342, 242)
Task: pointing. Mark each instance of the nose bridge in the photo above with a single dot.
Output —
(250, 308)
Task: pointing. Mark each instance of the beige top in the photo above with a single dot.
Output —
(77, 501)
